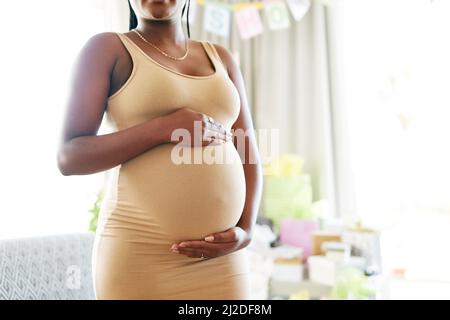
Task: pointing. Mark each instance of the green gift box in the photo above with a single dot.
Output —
(287, 197)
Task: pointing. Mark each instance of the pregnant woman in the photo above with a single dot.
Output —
(167, 229)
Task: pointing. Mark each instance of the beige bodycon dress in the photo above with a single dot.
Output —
(152, 202)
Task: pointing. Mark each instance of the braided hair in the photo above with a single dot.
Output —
(134, 21)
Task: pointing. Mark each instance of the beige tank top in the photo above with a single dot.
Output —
(153, 90)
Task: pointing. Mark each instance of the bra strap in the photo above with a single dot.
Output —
(216, 54)
(129, 46)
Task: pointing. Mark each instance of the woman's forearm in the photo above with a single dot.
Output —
(91, 154)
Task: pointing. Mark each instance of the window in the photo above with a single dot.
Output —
(397, 70)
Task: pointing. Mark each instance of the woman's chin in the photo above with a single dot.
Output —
(157, 14)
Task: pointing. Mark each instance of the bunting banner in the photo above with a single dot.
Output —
(249, 22)
(217, 19)
(299, 8)
(277, 15)
(250, 17)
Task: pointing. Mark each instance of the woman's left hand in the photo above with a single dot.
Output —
(214, 245)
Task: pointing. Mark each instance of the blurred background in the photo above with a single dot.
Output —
(356, 202)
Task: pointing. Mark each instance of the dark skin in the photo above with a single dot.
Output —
(103, 67)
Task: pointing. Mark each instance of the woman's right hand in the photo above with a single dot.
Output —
(187, 127)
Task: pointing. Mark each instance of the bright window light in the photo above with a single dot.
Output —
(397, 74)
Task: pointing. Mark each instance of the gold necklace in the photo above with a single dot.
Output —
(167, 55)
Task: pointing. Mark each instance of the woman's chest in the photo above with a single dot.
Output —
(151, 93)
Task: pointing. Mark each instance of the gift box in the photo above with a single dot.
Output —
(287, 190)
(287, 263)
(287, 197)
(319, 237)
(325, 271)
(298, 232)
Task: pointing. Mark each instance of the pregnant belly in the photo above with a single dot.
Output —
(184, 201)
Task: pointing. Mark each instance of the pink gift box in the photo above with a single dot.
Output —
(298, 233)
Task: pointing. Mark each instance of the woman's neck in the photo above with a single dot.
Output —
(165, 33)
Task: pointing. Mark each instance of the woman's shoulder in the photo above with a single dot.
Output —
(105, 44)
(105, 40)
